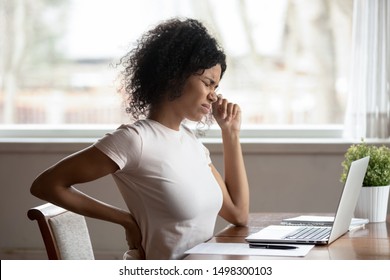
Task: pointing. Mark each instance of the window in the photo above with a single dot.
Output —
(288, 60)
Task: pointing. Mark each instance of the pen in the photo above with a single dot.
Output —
(272, 246)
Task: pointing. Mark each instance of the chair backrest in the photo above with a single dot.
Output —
(64, 233)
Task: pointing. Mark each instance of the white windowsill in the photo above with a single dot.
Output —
(249, 145)
(265, 139)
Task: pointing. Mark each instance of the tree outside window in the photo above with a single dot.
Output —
(288, 60)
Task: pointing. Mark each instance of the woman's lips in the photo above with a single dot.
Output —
(206, 108)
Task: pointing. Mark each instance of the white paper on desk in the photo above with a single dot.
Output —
(243, 249)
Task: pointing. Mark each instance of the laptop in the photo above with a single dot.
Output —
(299, 234)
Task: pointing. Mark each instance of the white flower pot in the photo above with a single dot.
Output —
(372, 204)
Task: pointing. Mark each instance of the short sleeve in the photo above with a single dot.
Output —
(123, 146)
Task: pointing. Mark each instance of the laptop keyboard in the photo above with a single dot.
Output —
(313, 233)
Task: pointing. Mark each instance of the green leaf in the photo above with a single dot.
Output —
(378, 170)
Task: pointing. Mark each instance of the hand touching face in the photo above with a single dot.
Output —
(227, 114)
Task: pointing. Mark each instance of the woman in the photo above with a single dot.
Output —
(165, 175)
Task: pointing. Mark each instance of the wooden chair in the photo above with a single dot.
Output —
(64, 233)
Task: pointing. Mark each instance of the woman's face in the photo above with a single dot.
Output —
(198, 94)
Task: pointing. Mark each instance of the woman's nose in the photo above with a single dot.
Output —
(213, 97)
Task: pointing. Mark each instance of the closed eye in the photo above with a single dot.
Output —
(206, 84)
(210, 84)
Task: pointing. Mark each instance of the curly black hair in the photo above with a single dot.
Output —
(164, 58)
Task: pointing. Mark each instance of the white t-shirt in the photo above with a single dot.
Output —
(166, 181)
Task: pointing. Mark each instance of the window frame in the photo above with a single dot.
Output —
(251, 133)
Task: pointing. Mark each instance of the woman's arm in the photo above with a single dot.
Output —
(55, 185)
(235, 188)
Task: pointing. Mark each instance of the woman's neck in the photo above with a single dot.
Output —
(165, 115)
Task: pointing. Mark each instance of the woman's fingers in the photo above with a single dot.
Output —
(220, 107)
(225, 110)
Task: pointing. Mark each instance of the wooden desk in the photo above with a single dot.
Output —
(368, 243)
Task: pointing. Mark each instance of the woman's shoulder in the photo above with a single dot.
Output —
(125, 129)
(137, 126)
(142, 128)
(149, 128)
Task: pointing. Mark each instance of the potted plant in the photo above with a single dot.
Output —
(374, 195)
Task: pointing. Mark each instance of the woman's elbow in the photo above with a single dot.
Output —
(36, 188)
(240, 219)
(41, 187)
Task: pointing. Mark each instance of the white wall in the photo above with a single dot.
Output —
(293, 177)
